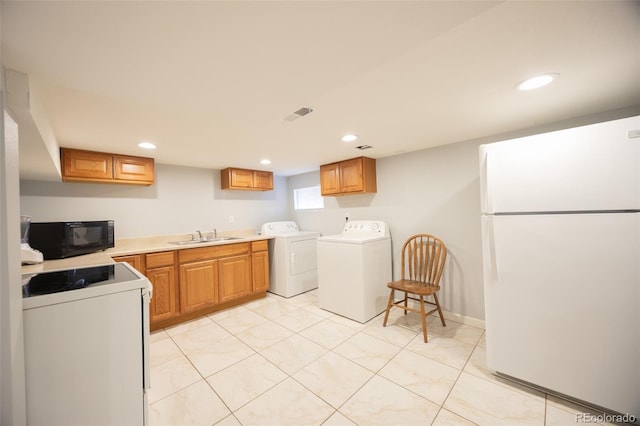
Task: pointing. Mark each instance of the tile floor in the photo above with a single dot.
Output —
(278, 361)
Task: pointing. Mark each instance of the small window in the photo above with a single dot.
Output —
(308, 198)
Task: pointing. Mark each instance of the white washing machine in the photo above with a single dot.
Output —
(353, 270)
(294, 262)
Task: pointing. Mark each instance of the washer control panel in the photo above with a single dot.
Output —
(369, 227)
(274, 228)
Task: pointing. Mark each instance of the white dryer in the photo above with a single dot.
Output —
(293, 262)
(353, 270)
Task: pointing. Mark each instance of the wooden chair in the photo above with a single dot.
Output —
(423, 258)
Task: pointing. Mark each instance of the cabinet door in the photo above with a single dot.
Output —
(241, 178)
(351, 176)
(86, 165)
(235, 277)
(263, 180)
(198, 285)
(133, 169)
(163, 302)
(330, 179)
(260, 271)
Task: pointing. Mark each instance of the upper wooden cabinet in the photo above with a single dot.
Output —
(252, 180)
(133, 169)
(354, 176)
(90, 166)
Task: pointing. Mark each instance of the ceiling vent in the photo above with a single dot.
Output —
(298, 114)
(363, 147)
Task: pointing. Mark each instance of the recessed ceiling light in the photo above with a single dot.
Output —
(349, 137)
(146, 145)
(265, 161)
(536, 82)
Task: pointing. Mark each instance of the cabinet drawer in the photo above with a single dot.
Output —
(203, 253)
(135, 260)
(260, 245)
(165, 258)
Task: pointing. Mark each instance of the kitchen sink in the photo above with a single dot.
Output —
(202, 241)
(189, 242)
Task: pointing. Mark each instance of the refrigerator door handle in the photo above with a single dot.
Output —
(491, 260)
(485, 195)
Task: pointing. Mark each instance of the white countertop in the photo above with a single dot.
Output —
(138, 245)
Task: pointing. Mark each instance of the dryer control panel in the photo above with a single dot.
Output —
(369, 227)
(283, 227)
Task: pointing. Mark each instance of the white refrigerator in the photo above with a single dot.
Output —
(561, 257)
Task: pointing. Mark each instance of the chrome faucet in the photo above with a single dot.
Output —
(199, 235)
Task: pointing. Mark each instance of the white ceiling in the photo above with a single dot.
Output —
(209, 82)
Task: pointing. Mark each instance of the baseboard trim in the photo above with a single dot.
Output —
(474, 322)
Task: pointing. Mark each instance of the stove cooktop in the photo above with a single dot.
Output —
(74, 279)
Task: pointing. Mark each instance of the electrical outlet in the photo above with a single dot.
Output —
(232, 219)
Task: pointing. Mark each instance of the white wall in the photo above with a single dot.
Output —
(12, 380)
(182, 200)
(434, 191)
(430, 191)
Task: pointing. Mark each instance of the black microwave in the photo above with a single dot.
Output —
(58, 240)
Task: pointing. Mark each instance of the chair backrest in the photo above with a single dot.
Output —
(423, 258)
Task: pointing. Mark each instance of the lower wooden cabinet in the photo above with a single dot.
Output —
(161, 272)
(260, 266)
(198, 285)
(159, 268)
(163, 303)
(192, 282)
(234, 277)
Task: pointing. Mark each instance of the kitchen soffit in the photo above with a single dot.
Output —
(209, 82)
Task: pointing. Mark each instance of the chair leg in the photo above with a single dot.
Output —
(405, 303)
(423, 316)
(435, 297)
(389, 303)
